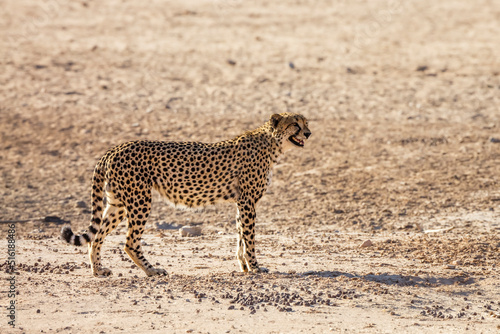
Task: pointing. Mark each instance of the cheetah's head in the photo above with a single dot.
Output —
(290, 129)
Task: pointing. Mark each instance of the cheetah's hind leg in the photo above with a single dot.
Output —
(240, 254)
(112, 216)
(133, 245)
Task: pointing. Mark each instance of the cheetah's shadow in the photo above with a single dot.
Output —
(395, 279)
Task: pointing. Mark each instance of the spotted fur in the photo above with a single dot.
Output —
(190, 174)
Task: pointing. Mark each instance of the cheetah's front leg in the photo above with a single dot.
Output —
(245, 221)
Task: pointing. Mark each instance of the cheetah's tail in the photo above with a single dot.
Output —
(96, 218)
(74, 239)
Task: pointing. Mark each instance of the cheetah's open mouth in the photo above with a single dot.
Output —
(296, 141)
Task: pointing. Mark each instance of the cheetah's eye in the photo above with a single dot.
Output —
(295, 125)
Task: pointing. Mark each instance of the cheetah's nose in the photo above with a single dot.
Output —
(307, 134)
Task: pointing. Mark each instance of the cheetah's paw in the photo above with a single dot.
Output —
(155, 272)
(102, 272)
(259, 270)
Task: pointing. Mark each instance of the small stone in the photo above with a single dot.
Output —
(449, 266)
(81, 205)
(350, 70)
(167, 226)
(366, 243)
(190, 231)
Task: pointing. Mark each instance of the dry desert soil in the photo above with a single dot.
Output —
(403, 100)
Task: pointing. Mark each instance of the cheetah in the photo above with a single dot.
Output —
(190, 174)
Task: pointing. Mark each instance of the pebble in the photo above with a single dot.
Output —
(190, 231)
(81, 205)
(366, 243)
(166, 226)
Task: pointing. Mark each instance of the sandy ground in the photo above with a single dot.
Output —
(403, 101)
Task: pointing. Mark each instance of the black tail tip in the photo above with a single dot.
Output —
(66, 233)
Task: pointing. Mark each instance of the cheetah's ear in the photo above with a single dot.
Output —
(275, 119)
